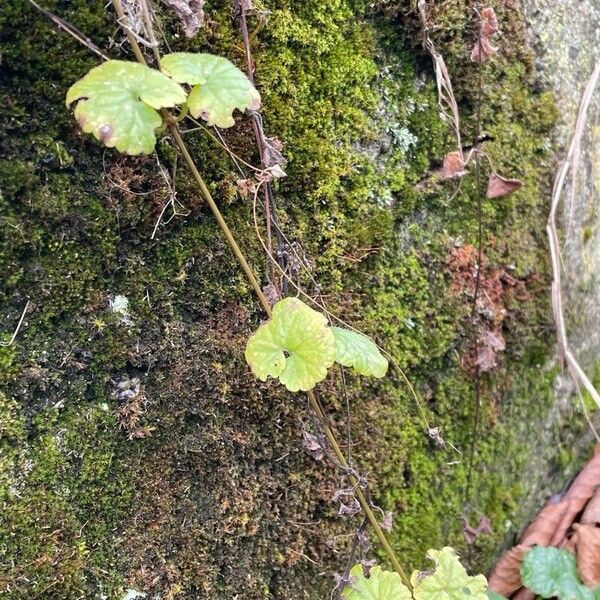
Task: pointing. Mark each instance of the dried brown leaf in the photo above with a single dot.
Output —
(581, 490)
(499, 186)
(190, 13)
(588, 553)
(482, 50)
(524, 594)
(505, 579)
(489, 22)
(311, 444)
(541, 530)
(493, 339)
(591, 514)
(273, 152)
(453, 166)
(246, 187)
(486, 359)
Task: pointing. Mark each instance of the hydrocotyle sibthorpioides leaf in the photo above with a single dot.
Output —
(356, 350)
(380, 585)
(295, 345)
(219, 87)
(118, 101)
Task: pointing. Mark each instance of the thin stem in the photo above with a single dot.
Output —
(477, 394)
(178, 140)
(71, 30)
(359, 492)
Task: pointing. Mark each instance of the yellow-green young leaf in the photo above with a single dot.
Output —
(360, 352)
(380, 585)
(118, 102)
(448, 581)
(295, 345)
(219, 86)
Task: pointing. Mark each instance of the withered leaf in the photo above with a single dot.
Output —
(591, 514)
(505, 579)
(311, 444)
(387, 522)
(493, 339)
(486, 359)
(349, 510)
(524, 594)
(190, 13)
(489, 22)
(273, 147)
(453, 166)
(588, 553)
(482, 50)
(499, 186)
(542, 528)
(506, 575)
(581, 490)
(245, 187)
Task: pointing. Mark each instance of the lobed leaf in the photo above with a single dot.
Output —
(117, 102)
(449, 580)
(359, 352)
(295, 345)
(380, 585)
(549, 572)
(219, 86)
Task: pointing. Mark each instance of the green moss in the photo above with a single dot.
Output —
(207, 495)
(62, 497)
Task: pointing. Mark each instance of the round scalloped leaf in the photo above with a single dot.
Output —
(448, 581)
(295, 345)
(117, 102)
(551, 572)
(356, 350)
(219, 86)
(380, 585)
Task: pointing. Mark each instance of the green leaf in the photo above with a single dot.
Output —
(449, 580)
(493, 596)
(219, 86)
(118, 102)
(360, 352)
(380, 585)
(295, 345)
(551, 572)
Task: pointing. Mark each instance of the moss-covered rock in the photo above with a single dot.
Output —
(137, 451)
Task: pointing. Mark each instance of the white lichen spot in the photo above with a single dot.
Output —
(120, 304)
(132, 594)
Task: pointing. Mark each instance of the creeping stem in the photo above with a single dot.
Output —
(178, 141)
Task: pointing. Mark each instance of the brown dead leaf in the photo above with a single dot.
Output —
(273, 152)
(493, 339)
(591, 514)
(505, 579)
(482, 50)
(489, 22)
(524, 594)
(542, 528)
(588, 553)
(454, 166)
(190, 13)
(499, 186)
(486, 359)
(581, 490)
(312, 446)
(246, 187)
